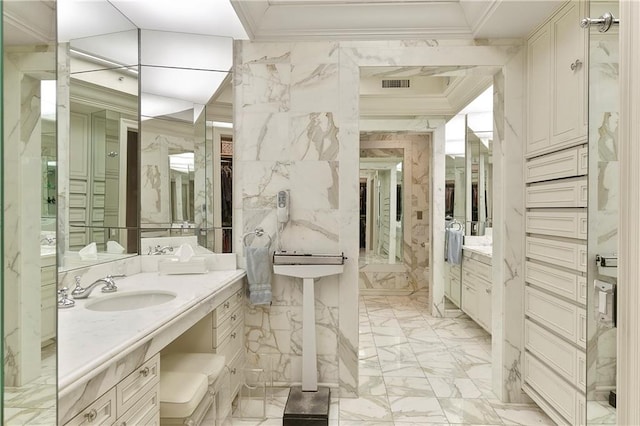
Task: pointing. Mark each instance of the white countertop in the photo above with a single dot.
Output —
(483, 250)
(89, 339)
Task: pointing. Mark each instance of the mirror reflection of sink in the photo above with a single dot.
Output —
(130, 301)
(308, 271)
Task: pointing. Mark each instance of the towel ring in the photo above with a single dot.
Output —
(455, 222)
(258, 232)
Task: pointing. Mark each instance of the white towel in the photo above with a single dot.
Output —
(259, 275)
(89, 252)
(454, 246)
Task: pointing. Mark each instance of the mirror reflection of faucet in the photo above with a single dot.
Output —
(158, 250)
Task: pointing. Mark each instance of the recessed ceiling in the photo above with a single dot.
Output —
(378, 19)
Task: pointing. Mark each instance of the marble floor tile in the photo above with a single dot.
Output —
(398, 369)
(370, 367)
(450, 387)
(398, 353)
(469, 411)
(442, 369)
(379, 332)
(416, 409)
(29, 416)
(516, 414)
(600, 413)
(389, 340)
(408, 386)
(376, 321)
(486, 388)
(365, 408)
(417, 370)
(372, 385)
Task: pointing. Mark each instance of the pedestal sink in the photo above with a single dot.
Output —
(307, 267)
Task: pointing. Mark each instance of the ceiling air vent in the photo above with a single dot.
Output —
(395, 84)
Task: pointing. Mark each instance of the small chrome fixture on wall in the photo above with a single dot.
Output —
(605, 22)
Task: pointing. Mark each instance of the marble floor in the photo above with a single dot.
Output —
(416, 370)
(34, 403)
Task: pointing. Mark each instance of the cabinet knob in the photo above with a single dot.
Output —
(233, 317)
(226, 304)
(575, 65)
(233, 335)
(233, 370)
(488, 290)
(144, 372)
(91, 415)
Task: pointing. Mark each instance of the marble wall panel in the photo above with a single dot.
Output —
(603, 202)
(22, 190)
(310, 90)
(156, 144)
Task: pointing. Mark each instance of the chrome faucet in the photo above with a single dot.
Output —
(48, 239)
(159, 250)
(109, 287)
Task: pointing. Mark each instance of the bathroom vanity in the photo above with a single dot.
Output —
(476, 284)
(109, 359)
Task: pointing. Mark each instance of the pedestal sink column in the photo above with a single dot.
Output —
(309, 354)
(308, 273)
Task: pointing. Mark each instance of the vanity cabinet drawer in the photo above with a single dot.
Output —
(557, 165)
(562, 283)
(555, 352)
(561, 253)
(48, 275)
(455, 289)
(570, 224)
(583, 160)
(476, 268)
(560, 395)
(228, 306)
(564, 193)
(101, 412)
(146, 411)
(562, 317)
(235, 371)
(232, 344)
(48, 308)
(225, 327)
(138, 383)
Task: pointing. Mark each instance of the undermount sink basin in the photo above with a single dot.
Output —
(130, 301)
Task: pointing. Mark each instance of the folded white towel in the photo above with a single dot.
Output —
(89, 252)
(114, 247)
(185, 253)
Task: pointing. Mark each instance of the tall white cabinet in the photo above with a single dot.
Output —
(556, 197)
(557, 55)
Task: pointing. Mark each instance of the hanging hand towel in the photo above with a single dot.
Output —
(259, 275)
(454, 246)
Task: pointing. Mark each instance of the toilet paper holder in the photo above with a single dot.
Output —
(606, 301)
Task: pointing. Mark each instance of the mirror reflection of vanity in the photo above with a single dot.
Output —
(469, 204)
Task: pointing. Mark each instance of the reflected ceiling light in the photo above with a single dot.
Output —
(48, 99)
(223, 124)
(211, 17)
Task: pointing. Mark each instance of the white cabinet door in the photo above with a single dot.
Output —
(538, 90)
(569, 65)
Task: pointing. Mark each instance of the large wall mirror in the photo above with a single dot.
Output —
(140, 158)
(479, 176)
(381, 202)
(102, 149)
